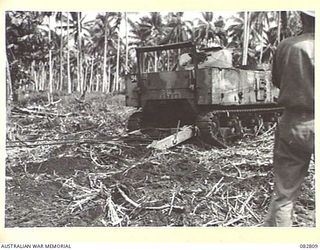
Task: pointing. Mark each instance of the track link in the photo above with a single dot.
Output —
(218, 126)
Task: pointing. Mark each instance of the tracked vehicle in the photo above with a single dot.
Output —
(178, 84)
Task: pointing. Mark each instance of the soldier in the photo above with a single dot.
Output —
(293, 73)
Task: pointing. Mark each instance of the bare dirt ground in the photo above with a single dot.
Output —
(72, 164)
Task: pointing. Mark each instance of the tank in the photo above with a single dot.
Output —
(178, 84)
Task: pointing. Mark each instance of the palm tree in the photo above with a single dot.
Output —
(117, 83)
(178, 30)
(153, 29)
(59, 17)
(104, 34)
(138, 35)
(80, 31)
(127, 41)
(261, 20)
(240, 34)
(209, 30)
(74, 25)
(79, 44)
(290, 23)
(68, 55)
(246, 37)
(50, 57)
(265, 30)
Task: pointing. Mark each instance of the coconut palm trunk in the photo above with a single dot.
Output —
(78, 72)
(80, 82)
(109, 77)
(91, 74)
(261, 42)
(35, 76)
(168, 62)
(33, 73)
(68, 57)
(84, 87)
(127, 43)
(105, 53)
(9, 84)
(118, 65)
(155, 62)
(97, 82)
(246, 36)
(61, 54)
(50, 64)
(42, 77)
(9, 98)
(279, 27)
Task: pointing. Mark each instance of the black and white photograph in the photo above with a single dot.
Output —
(159, 119)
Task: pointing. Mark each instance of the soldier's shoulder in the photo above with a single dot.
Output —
(298, 41)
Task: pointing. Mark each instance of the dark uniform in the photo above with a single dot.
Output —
(293, 73)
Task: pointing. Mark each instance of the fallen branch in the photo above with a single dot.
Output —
(33, 143)
(164, 207)
(39, 113)
(234, 221)
(136, 205)
(246, 202)
(112, 212)
(171, 203)
(52, 103)
(214, 187)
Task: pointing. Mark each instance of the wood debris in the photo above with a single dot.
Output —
(180, 136)
(103, 176)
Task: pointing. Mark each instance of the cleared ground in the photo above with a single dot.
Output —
(72, 164)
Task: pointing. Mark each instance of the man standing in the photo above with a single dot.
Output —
(293, 73)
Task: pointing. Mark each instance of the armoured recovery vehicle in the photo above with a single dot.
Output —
(200, 88)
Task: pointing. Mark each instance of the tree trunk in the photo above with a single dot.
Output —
(78, 73)
(105, 52)
(155, 62)
(33, 73)
(85, 78)
(9, 99)
(91, 74)
(50, 64)
(80, 81)
(68, 58)
(246, 35)
(118, 65)
(55, 75)
(285, 32)
(61, 54)
(168, 66)
(207, 35)
(42, 77)
(9, 87)
(127, 44)
(279, 27)
(97, 82)
(261, 43)
(109, 78)
(261, 53)
(36, 83)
